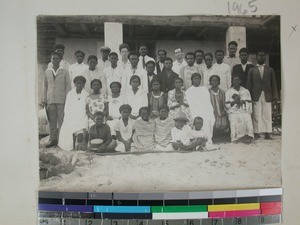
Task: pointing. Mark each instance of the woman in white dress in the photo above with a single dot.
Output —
(136, 97)
(239, 108)
(198, 98)
(73, 130)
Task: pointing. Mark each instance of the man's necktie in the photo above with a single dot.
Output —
(144, 62)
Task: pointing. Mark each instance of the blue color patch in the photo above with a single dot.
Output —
(122, 209)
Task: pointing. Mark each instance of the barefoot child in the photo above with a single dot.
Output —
(124, 129)
(100, 139)
(198, 136)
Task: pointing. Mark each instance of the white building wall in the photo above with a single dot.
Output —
(88, 46)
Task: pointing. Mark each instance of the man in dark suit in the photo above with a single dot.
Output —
(162, 54)
(241, 70)
(167, 76)
(261, 83)
(150, 67)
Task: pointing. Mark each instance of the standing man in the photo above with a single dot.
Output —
(103, 62)
(57, 85)
(188, 70)
(199, 59)
(231, 59)
(167, 76)
(78, 68)
(134, 70)
(179, 61)
(124, 52)
(208, 70)
(162, 54)
(261, 83)
(112, 73)
(222, 70)
(150, 67)
(144, 58)
(60, 49)
(241, 70)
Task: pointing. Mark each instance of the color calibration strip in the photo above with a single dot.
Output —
(251, 207)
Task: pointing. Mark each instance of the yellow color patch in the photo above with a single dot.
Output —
(233, 207)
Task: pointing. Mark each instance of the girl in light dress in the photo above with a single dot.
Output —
(115, 100)
(96, 102)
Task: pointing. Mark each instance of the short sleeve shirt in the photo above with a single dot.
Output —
(125, 131)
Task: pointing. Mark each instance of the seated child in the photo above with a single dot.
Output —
(181, 139)
(124, 129)
(163, 127)
(198, 136)
(143, 137)
(100, 139)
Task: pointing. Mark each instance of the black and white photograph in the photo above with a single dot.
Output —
(158, 103)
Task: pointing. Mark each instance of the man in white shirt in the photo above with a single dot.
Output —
(232, 60)
(199, 59)
(222, 70)
(78, 68)
(60, 49)
(208, 70)
(112, 73)
(241, 70)
(93, 73)
(103, 62)
(179, 61)
(124, 52)
(144, 58)
(134, 70)
(189, 69)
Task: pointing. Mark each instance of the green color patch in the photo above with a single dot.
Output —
(170, 209)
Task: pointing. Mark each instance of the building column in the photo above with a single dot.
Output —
(113, 35)
(237, 34)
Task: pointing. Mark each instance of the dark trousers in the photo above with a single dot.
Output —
(56, 117)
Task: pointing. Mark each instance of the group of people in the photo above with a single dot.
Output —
(136, 104)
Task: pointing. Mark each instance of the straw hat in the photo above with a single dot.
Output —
(181, 116)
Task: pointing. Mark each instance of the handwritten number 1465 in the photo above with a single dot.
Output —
(234, 7)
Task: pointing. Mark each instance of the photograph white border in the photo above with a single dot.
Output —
(19, 160)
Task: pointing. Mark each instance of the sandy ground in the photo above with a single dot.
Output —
(234, 166)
